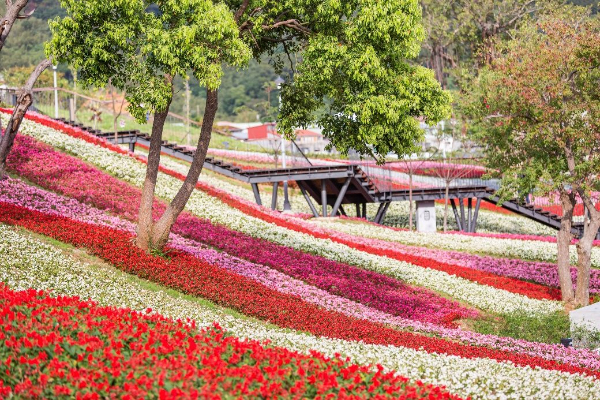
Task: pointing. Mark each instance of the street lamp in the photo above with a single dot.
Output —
(286, 200)
(54, 67)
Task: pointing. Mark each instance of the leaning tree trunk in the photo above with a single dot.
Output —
(584, 255)
(162, 228)
(12, 14)
(24, 101)
(563, 241)
(145, 221)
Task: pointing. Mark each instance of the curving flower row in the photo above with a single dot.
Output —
(63, 346)
(190, 275)
(16, 192)
(25, 263)
(48, 168)
(305, 240)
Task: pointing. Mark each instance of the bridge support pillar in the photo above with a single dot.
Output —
(475, 214)
(456, 214)
(274, 196)
(256, 194)
(426, 221)
(340, 198)
(357, 210)
(324, 197)
(463, 223)
(383, 207)
(308, 200)
(364, 210)
(132, 147)
(469, 213)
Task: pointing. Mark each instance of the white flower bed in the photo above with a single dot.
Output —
(508, 248)
(27, 263)
(201, 204)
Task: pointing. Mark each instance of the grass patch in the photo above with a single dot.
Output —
(545, 329)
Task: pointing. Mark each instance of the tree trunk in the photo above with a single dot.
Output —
(437, 63)
(563, 241)
(162, 228)
(584, 257)
(145, 221)
(410, 200)
(446, 206)
(11, 15)
(24, 100)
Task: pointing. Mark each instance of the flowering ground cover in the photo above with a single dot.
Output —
(63, 346)
(192, 276)
(27, 263)
(17, 192)
(44, 166)
(297, 236)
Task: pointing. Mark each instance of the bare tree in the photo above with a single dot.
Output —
(13, 13)
(24, 101)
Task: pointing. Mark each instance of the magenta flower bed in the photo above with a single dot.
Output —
(16, 192)
(69, 175)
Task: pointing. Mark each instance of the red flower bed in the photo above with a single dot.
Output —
(55, 347)
(513, 285)
(192, 276)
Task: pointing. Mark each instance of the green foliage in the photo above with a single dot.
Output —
(17, 76)
(141, 51)
(355, 81)
(538, 102)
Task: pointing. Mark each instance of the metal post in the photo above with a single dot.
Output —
(324, 197)
(132, 147)
(357, 210)
(469, 207)
(340, 197)
(54, 67)
(462, 214)
(456, 214)
(71, 109)
(274, 196)
(286, 200)
(364, 210)
(256, 194)
(308, 200)
(474, 223)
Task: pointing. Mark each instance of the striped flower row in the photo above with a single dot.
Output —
(205, 206)
(17, 192)
(25, 263)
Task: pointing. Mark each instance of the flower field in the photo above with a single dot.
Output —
(303, 308)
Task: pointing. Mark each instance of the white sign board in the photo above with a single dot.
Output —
(426, 221)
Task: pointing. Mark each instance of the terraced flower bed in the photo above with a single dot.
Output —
(342, 289)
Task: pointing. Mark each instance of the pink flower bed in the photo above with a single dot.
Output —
(16, 192)
(43, 165)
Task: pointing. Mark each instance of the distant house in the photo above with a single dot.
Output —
(310, 141)
(265, 135)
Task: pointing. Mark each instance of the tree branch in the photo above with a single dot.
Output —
(290, 23)
(238, 14)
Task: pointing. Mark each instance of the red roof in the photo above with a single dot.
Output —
(306, 133)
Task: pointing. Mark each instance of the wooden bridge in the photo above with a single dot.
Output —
(338, 185)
